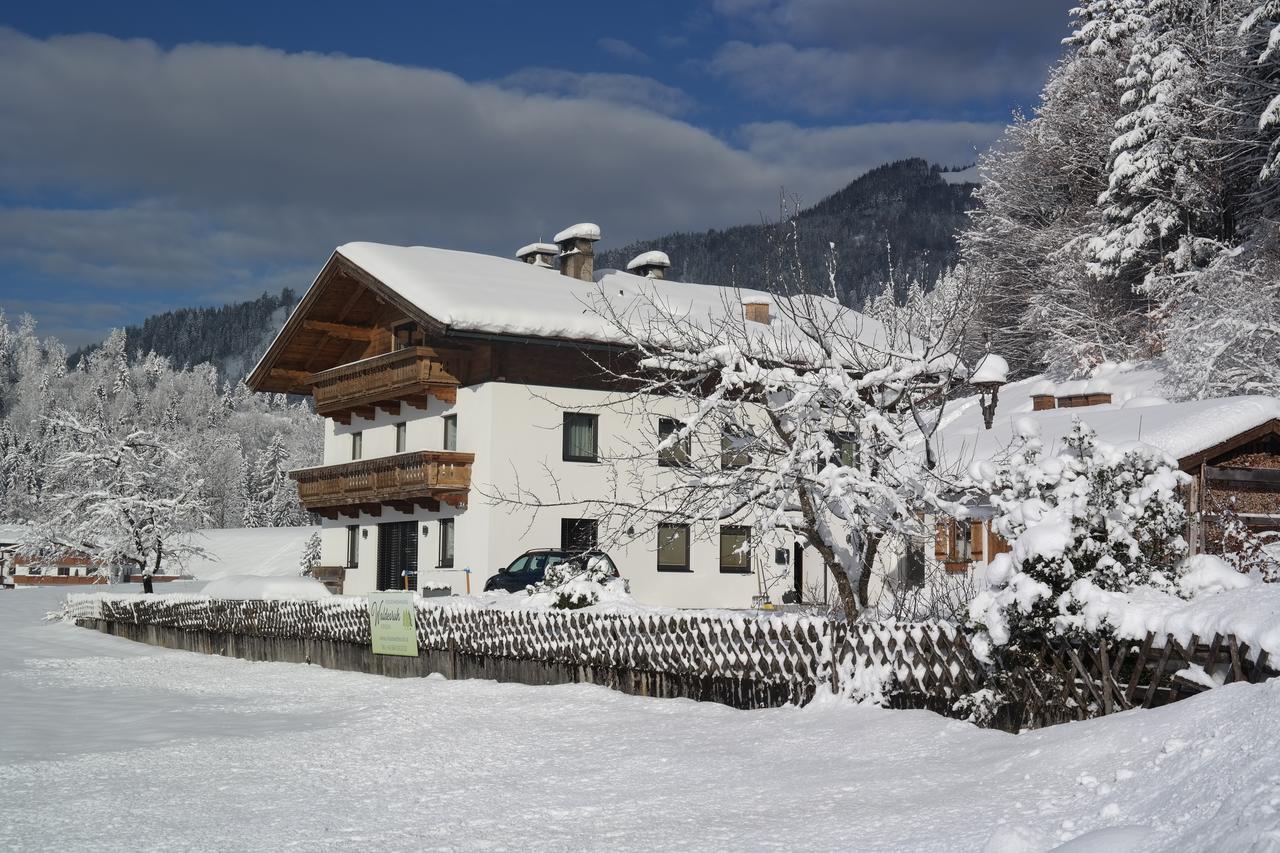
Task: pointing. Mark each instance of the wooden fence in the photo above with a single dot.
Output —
(744, 660)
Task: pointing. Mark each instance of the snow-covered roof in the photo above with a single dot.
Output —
(486, 294)
(1179, 429)
(649, 259)
(581, 231)
(538, 249)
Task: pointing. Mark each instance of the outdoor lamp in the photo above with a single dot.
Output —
(991, 372)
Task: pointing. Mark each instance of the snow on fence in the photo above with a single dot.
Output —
(740, 659)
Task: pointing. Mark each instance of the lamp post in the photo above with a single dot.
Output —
(989, 374)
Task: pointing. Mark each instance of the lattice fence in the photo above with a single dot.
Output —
(778, 658)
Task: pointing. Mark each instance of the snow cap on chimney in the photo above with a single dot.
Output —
(538, 254)
(577, 257)
(652, 264)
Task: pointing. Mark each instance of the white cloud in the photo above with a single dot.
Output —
(216, 169)
(625, 89)
(825, 57)
(841, 151)
(619, 49)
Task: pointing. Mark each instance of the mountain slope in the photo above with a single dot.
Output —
(231, 337)
(905, 211)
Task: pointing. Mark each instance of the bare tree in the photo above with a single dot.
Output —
(790, 415)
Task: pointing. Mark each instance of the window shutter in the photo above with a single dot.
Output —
(976, 534)
(942, 539)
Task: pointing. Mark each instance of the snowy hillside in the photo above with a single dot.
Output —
(250, 551)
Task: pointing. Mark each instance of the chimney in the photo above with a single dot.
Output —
(538, 254)
(577, 258)
(756, 309)
(651, 264)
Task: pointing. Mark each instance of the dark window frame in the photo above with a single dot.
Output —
(414, 333)
(565, 535)
(733, 458)
(357, 445)
(447, 562)
(402, 436)
(735, 530)
(449, 421)
(353, 546)
(594, 420)
(679, 455)
(671, 567)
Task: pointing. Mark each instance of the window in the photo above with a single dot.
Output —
(580, 437)
(446, 543)
(578, 535)
(64, 571)
(450, 432)
(844, 448)
(673, 548)
(401, 436)
(407, 335)
(913, 564)
(353, 545)
(676, 456)
(733, 448)
(735, 550)
(357, 445)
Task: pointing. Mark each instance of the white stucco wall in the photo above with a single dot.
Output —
(515, 432)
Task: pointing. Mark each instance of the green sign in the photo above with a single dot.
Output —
(391, 624)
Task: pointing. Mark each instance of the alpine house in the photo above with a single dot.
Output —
(447, 377)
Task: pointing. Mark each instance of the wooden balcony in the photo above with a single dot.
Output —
(407, 376)
(420, 478)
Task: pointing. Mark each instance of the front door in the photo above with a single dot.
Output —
(398, 555)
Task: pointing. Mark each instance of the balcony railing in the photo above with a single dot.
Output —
(422, 478)
(409, 375)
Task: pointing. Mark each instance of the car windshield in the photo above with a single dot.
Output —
(537, 562)
(542, 562)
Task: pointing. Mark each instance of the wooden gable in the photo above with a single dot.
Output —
(346, 316)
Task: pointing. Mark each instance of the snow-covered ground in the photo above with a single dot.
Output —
(113, 745)
(250, 550)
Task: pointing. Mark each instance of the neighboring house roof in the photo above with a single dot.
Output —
(475, 293)
(11, 534)
(1185, 431)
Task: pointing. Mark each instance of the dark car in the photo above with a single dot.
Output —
(531, 567)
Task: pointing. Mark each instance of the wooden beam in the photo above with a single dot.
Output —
(391, 407)
(457, 500)
(372, 509)
(401, 506)
(429, 504)
(418, 401)
(297, 377)
(1263, 476)
(357, 291)
(366, 412)
(447, 394)
(339, 330)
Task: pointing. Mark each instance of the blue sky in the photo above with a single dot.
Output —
(156, 155)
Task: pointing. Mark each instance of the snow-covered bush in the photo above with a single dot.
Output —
(579, 582)
(1096, 518)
